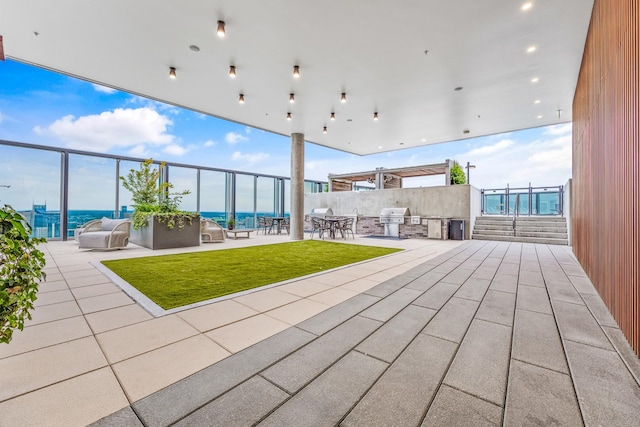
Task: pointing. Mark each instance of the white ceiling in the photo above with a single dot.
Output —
(373, 50)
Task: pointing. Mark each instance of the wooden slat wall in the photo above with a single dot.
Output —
(606, 158)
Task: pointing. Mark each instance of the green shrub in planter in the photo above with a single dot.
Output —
(21, 267)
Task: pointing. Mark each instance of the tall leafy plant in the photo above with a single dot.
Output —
(457, 174)
(152, 197)
(21, 265)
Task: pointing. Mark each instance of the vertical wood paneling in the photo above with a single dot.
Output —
(606, 158)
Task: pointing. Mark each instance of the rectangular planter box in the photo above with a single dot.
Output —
(157, 235)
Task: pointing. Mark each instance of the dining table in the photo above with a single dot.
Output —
(333, 221)
(279, 220)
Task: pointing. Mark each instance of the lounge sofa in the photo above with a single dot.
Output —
(105, 234)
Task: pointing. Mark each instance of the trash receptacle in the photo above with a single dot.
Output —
(456, 229)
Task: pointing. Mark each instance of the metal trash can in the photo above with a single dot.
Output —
(456, 229)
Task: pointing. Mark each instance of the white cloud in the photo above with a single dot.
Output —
(140, 151)
(489, 149)
(103, 89)
(175, 150)
(555, 130)
(153, 105)
(122, 127)
(247, 130)
(249, 158)
(209, 143)
(234, 137)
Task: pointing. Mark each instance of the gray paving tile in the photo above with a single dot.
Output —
(536, 340)
(599, 310)
(300, 367)
(583, 285)
(401, 396)
(507, 268)
(497, 307)
(564, 292)
(437, 296)
(452, 321)
(425, 281)
(391, 305)
(421, 269)
(533, 299)
(492, 262)
(388, 342)
(326, 400)
(457, 276)
(245, 405)
(573, 269)
(446, 267)
(555, 277)
(485, 272)
(473, 288)
(608, 394)
(388, 287)
(541, 397)
(577, 324)
(504, 283)
(529, 265)
(452, 407)
(472, 263)
(531, 278)
(172, 403)
(624, 350)
(125, 417)
(332, 317)
(482, 362)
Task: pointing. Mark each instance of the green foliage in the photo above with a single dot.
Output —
(21, 267)
(151, 197)
(177, 280)
(457, 174)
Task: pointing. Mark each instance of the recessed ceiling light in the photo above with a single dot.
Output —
(172, 72)
(232, 71)
(539, 117)
(537, 101)
(241, 99)
(531, 49)
(526, 6)
(380, 147)
(333, 116)
(535, 80)
(292, 98)
(459, 88)
(194, 48)
(221, 31)
(423, 140)
(324, 129)
(296, 72)
(288, 116)
(343, 97)
(375, 116)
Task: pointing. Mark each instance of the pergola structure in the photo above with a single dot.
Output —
(388, 178)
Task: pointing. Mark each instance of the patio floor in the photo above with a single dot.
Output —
(443, 333)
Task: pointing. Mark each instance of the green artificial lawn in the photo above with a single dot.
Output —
(176, 280)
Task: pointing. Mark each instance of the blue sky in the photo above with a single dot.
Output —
(42, 107)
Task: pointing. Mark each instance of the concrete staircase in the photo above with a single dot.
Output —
(547, 230)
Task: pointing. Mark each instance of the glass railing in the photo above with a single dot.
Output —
(58, 190)
(531, 201)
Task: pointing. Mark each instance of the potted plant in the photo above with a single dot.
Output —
(231, 223)
(21, 267)
(157, 221)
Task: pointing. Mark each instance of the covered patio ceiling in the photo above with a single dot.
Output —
(434, 71)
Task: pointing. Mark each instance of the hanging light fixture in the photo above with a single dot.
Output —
(292, 98)
(220, 31)
(289, 116)
(232, 71)
(296, 72)
(324, 130)
(333, 116)
(172, 72)
(343, 97)
(241, 98)
(375, 116)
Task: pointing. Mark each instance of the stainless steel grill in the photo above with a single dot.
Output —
(392, 218)
(321, 212)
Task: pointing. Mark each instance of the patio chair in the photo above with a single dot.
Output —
(321, 226)
(265, 223)
(105, 234)
(345, 227)
(211, 231)
(78, 231)
(286, 224)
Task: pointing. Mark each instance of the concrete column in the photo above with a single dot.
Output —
(297, 186)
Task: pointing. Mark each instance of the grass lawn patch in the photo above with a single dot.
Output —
(176, 280)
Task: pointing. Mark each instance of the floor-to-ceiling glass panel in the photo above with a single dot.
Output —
(287, 197)
(213, 187)
(185, 179)
(92, 190)
(245, 206)
(30, 183)
(126, 201)
(266, 197)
